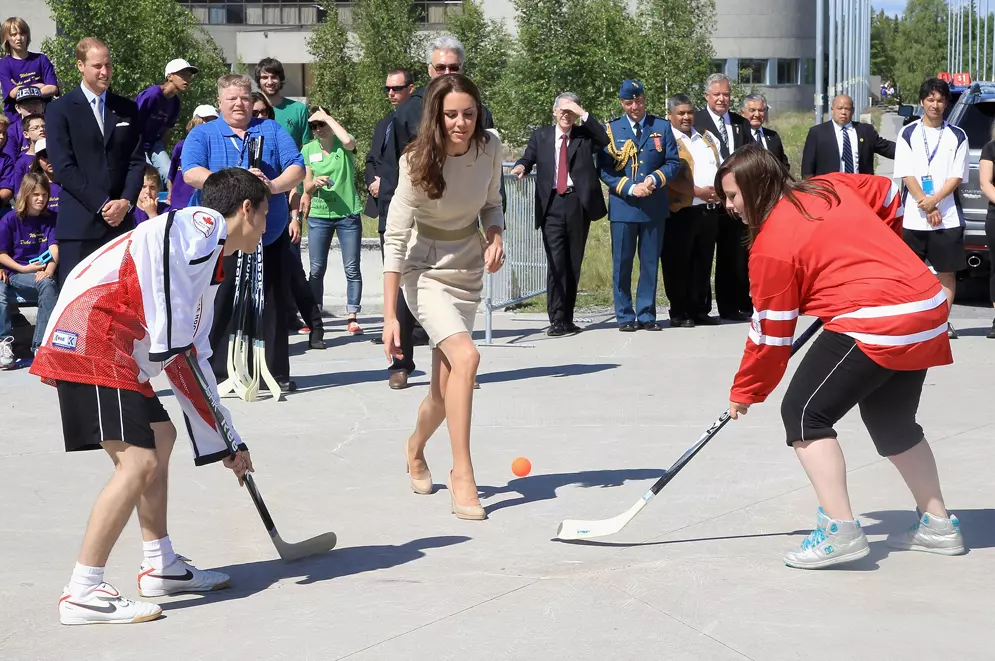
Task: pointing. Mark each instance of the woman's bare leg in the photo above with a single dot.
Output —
(463, 359)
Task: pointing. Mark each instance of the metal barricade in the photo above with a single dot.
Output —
(523, 275)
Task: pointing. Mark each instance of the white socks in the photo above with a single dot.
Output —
(84, 580)
(159, 553)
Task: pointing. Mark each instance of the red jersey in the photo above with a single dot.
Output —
(128, 310)
(849, 269)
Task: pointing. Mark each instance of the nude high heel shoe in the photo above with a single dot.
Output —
(471, 512)
(421, 486)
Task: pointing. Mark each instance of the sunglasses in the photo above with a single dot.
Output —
(260, 113)
(394, 88)
(447, 68)
(314, 126)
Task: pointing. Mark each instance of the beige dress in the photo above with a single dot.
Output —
(437, 246)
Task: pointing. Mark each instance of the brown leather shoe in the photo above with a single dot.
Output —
(398, 380)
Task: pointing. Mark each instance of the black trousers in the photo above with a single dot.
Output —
(301, 291)
(990, 235)
(564, 235)
(732, 279)
(688, 246)
(275, 304)
(407, 323)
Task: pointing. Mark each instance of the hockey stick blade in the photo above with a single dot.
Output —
(314, 546)
(575, 529)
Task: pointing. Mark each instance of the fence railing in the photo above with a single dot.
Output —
(523, 275)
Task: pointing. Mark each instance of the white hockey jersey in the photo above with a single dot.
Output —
(127, 312)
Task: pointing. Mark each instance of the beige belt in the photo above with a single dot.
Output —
(437, 234)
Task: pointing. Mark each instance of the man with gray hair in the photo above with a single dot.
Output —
(567, 198)
(755, 111)
(445, 55)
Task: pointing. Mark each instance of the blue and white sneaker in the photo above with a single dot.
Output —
(933, 534)
(831, 543)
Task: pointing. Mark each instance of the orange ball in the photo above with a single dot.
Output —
(521, 467)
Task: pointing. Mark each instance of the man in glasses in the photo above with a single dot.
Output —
(445, 55)
(399, 86)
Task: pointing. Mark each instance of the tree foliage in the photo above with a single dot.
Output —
(919, 48)
(488, 45)
(142, 36)
(884, 31)
(333, 69)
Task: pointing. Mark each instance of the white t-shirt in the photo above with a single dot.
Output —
(913, 149)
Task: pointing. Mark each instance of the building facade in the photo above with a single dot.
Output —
(766, 43)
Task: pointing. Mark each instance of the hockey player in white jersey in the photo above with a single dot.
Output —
(125, 315)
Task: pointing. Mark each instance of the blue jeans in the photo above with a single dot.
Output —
(25, 284)
(319, 237)
(625, 239)
(159, 158)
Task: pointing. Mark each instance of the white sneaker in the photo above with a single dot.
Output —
(178, 577)
(104, 605)
(831, 543)
(6, 352)
(933, 534)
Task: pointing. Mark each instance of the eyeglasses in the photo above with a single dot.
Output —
(264, 112)
(447, 68)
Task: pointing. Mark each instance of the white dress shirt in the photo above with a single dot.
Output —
(852, 132)
(723, 119)
(705, 163)
(558, 136)
(90, 98)
(758, 135)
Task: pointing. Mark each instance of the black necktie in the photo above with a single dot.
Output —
(759, 138)
(386, 134)
(639, 132)
(847, 152)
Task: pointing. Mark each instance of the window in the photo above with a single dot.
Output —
(753, 72)
(435, 12)
(808, 77)
(977, 123)
(717, 66)
(253, 12)
(787, 72)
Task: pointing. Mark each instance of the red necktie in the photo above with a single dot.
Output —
(561, 170)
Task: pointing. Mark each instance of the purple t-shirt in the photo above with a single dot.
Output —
(53, 198)
(156, 113)
(179, 197)
(22, 165)
(26, 238)
(141, 216)
(35, 69)
(15, 143)
(6, 172)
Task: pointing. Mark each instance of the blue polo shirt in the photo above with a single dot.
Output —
(215, 146)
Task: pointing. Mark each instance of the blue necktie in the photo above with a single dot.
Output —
(847, 153)
(386, 134)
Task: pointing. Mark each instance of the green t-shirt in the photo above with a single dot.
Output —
(292, 115)
(341, 198)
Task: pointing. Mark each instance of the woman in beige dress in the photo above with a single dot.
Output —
(433, 249)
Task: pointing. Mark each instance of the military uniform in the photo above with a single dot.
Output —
(633, 154)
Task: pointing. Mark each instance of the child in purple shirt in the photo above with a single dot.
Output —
(6, 167)
(148, 199)
(158, 110)
(26, 234)
(28, 102)
(43, 166)
(180, 191)
(20, 68)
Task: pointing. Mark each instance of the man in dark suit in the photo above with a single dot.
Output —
(732, 282)
(842, 145)
(399, 87)
(445, 55)
(94, 145)
(755, 112)
(568, 197)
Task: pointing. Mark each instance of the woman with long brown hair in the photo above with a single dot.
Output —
(449, 176)
(831, 247)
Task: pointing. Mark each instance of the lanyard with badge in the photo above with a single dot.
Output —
(927, 179)
(252, 145)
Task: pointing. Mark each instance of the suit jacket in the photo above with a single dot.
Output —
(404, 130)
(374, 160)
(586, 140)
(822, 153)
(93, 168)
(627, 161)
(740, 130)
(774, 145)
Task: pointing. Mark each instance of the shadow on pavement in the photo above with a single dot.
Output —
(543, 487)
(546, 370)
(978, 526)
(253, 577)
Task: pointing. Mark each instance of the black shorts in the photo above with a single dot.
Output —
(93, 414)
(943, 249)
(833, 377)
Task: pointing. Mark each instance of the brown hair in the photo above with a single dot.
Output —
(151, 173)
(4, 123)
(8, 27)
(86, 44)
(29, 183)
(427, 154)
(196, 121)
(762, 181)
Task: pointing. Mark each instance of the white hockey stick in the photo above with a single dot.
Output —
(259, 366)
(237, 366)
(572, 529)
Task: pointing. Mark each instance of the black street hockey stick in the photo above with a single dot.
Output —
(572, 529)
(321, 543)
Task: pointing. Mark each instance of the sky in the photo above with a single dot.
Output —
(890, 7)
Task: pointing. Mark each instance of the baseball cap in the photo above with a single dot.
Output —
(178, 65)
(205, 111)
(28, 94)
(630, 89)
(40, 146)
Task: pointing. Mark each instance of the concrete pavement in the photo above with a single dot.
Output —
(697, 576)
